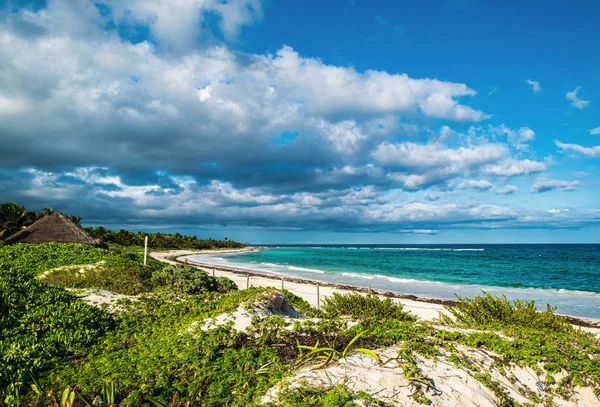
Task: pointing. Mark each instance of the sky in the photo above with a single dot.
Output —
(272, 122)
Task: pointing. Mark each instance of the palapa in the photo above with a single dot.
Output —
(54, 228)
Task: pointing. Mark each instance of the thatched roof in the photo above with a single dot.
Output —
(54, 228)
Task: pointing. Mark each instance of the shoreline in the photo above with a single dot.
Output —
(423, 307)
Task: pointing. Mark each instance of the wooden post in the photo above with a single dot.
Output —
(282, 283)
(318, 298)
(145, 250)
(369, 291)
(213, 271)
(248, 280)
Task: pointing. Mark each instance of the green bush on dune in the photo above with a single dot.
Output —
(187, 280)
(490, 310)
(364, 307)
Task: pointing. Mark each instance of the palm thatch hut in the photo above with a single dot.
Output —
(54, 228)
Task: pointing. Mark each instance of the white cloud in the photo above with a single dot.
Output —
(519, 138)
(345, 137)
(208, 100)
(178, 24)
(535, 86)
(328, 89)
(575, 100)
(543, 184)
(480, 185)
(511, 167)
(418, 231)
(445, 107)
(506, 190)
(436, 155)
(557, 211)
(595, 131)
(587, 151)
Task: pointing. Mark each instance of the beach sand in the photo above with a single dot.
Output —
(427, 309)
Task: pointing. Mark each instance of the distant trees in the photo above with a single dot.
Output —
(11, 216)
(160, 240)
(14, 217)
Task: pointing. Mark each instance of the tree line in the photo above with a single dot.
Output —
(14, 217)
(160, 240)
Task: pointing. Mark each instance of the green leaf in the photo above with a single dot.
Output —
(368, 352)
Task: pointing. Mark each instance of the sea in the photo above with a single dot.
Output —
(566, 276)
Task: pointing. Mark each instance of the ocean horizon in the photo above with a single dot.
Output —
(566, 276)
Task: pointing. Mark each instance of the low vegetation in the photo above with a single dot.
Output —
(364, 307)
(335, 396)
(154, 352)
(489, 311)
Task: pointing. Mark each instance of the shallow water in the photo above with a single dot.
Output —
(566, 276)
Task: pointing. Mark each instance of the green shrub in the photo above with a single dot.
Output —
(225, 284)
(121, 280)
(301, 305)
(364, 307)
(40, 325)
(493, 311)
(181, 279)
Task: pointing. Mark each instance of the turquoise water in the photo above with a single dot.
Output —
(567, 276)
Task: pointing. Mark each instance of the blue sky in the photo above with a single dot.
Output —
(306, 122)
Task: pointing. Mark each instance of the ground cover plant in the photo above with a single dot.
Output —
(335, 396)
(155, 351)
(42, 325)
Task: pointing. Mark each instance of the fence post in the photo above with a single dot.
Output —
(247, 280)
(145, 250)
(213, 271)
(282, 283)
(318, 298)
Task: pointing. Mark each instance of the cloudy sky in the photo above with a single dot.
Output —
(307, 121)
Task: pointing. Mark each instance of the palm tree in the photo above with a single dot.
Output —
(12, 218)
(75, 219)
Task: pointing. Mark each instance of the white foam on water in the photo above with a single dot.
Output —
(306, 269)
(365, 276)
